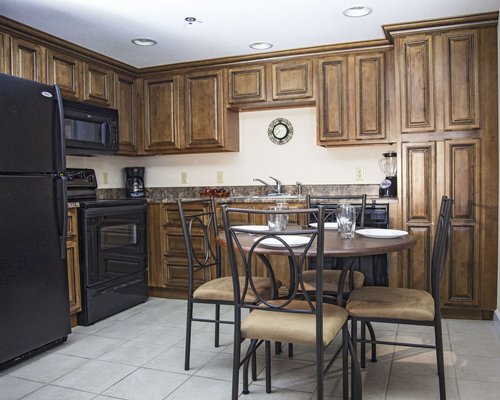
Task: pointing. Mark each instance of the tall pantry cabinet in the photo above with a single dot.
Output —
(446, 85)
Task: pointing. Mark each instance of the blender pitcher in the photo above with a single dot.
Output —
(389, 166)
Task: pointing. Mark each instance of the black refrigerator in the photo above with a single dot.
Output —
(34, 304)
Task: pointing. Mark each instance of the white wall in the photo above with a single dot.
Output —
(300, 159)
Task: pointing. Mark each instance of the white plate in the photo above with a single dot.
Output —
(381, 233)
(253, 227)
(292, 241)
(328, 225)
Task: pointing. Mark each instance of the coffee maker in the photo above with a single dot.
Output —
(389, 166)
(134, 185)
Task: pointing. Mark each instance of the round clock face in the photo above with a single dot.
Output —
(280, 131)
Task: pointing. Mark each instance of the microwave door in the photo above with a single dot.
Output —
(87, 137)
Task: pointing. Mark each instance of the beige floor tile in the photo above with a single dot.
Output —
(476, 345)
(415, 361)
(14, 388)
(133, 353)
(202, 388)
(55, 392)
(412, 387)
(162, 335)
(172, 360)
(478, 368)
(146, 384)
(124, 330)
(258, 392)
(90, 346)
(474, 390)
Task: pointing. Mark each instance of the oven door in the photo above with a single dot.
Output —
(113, 242)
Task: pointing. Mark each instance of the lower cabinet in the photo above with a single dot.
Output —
(75, 302)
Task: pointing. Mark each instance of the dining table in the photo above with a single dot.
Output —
(334, 246)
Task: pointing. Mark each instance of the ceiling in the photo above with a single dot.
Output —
(225, 27)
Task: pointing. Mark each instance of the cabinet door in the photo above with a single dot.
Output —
(27, 60)
(247, 84)
(462, 170)
(292, 80)
(419, 198)
(416, 82)
(98, 84)
(4, 54)
(161, 115)
(332, 103)
(204, 110)
(370, 95)
(125, 103)
(461, 80)
(65, 71)
(73, 263)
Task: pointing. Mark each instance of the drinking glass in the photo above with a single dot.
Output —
(347, 221)
(277, 222)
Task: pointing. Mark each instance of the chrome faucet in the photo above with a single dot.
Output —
(276, 188)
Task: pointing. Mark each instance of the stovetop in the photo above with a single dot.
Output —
(82, 188)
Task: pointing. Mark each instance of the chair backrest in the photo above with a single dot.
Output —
(200, 230)
(441, 242)
(331, 202)
(246, 245)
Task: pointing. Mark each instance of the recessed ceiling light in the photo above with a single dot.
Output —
(261, 45)
(144, 42)
(357, 11)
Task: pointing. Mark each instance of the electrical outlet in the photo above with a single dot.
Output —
(220, 176)
(104, 178)
(184, 178)
(360, 173)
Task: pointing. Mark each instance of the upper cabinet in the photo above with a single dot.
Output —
(27, 60)
(126, 103)
(352, 92)
(4, 54)
(186, 113)
(98, 84)
(271, 84)
(65, 71)
(439, 81)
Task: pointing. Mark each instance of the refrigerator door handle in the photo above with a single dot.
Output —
(61, 151)
(62, 214)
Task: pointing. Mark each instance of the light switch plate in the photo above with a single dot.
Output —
(184, 178)
(220, 176)
(360, 173)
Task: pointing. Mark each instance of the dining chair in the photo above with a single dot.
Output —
(331, 277)
(200, 230)
(294, 317)
(408, 306)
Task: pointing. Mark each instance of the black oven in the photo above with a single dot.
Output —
(113, 257)
(112, 237)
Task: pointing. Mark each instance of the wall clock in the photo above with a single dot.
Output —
(280, 131)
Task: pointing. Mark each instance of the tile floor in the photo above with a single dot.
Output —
(139, 355)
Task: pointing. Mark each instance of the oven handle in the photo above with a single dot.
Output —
(62, 207)
(113, 288)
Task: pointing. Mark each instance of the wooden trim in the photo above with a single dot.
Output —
(474, 20)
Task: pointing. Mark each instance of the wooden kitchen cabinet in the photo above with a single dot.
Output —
(351, 99)
(127, 105)
(162, 115)
(27, 60)
(439, 81)
(73, 265)
(269, 84)
(4, 54)
(67, 72)
(98, 84)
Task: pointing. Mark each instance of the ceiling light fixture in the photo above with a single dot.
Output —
(190, 20)
(144, 42)
(260, 45)
(357, 11)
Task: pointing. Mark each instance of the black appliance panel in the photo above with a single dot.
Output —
(90, 129)
(34, 306)
(114, 242)
(30, 127)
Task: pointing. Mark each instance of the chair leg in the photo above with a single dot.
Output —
(251, 351)
(290, 349)
(362, 354)
(277, 348)
(236, 364)
(254, 366)
(217, 325)
(352, 344)
(440, 358)
(345, 363)
(187, 349)
(356, 383)
(268, 365)
(320, 369)
(372, 338)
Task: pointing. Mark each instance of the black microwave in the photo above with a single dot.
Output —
(90, 129)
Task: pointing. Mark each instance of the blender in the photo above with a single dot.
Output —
(389, 166)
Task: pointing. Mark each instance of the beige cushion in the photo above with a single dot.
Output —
(222, 289)
(292, 327)
(385, 302)
(331, 279)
